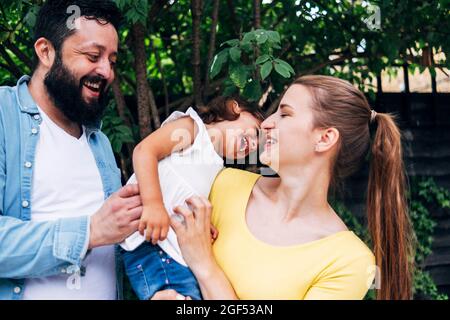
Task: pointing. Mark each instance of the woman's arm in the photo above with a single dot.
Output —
(194, 238)
(172, 137)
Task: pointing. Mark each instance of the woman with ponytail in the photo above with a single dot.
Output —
(278, 237)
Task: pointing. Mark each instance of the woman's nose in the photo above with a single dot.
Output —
(268, 124)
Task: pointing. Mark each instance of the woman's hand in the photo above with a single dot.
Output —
(194, 237)
(194, 234)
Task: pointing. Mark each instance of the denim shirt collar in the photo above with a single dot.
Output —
(27, 104)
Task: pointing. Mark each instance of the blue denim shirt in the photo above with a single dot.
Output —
(31, 249)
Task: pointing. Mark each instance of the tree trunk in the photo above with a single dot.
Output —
(125, 161)
(212, 39)
(196, 41)
(257, 14)
(120, 102)
(233, 19)
(142, 87)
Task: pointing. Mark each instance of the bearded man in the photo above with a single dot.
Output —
(62, 207)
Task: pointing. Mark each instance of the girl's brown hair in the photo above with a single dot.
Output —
(338, 104)
(220, 109)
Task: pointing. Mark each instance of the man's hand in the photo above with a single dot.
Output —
(117, 218)
(155, 222)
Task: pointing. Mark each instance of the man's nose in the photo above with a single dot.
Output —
(105, 70)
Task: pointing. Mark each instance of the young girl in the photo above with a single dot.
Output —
(177, 161)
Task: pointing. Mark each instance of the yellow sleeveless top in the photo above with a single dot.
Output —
(339, 266)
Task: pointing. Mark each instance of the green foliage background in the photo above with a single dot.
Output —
(256, 58)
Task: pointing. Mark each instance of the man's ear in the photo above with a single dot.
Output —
(45, 52)
(327, 139)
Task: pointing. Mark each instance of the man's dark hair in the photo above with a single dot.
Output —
(52, 19)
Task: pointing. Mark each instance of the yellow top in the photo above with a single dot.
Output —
(339, 266)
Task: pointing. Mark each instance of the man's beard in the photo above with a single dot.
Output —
(66, 92)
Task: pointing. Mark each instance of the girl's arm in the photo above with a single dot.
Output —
(172, 137)
(194, 238)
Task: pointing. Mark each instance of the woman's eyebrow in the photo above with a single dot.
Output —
(284, 106)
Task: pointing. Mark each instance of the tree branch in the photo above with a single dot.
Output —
(144, 94)
(121, 107)
(196, 8)
(212, 39)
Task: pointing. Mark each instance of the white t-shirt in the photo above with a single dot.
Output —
(67, 183)
(182, 175)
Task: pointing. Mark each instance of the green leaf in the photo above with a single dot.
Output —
(219, 60)
(261, 37)
(282, 70)
(252, 91)
(248, 38)
(124, 130)
(262, 59)
(116, 145)
(274, 36)
(239, 75)
(286, 65)
(266, 69)
(231, 43)
(235, 54)
(229, 90)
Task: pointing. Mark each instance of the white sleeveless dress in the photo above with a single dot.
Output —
(182, 175)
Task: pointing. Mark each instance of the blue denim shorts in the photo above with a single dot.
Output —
(150, 270)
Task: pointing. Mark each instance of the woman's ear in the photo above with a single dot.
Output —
(45, 52)
(328, 138)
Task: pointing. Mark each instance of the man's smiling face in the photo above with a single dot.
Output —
(82, 71)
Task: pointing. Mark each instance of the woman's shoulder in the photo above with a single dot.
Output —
(233, 175)
(350, 251)
(231, 188)
(234, 180)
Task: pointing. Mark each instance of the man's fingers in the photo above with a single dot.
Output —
(128, 191)
(133, 202)
(134, 226)
(135, 214)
